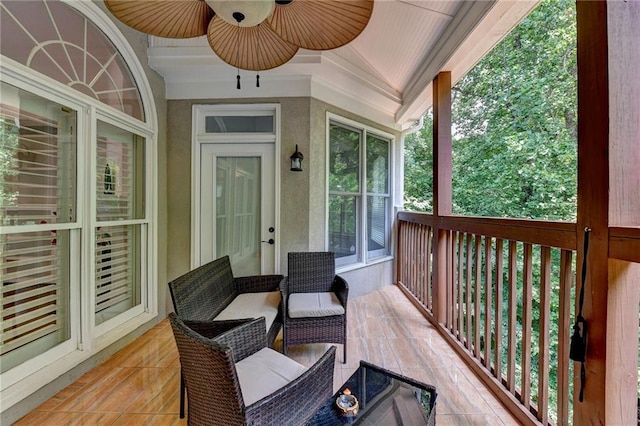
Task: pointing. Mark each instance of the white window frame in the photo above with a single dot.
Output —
(362, 256)
(87, 339)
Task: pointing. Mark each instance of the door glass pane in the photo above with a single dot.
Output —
(37, 159)
(238, 213)
(34, 267)
(117, 270)
(119, 174)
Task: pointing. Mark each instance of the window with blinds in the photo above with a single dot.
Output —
(37, 208)
(119, 197)
(359, 192)
(74, 211)
(117, 270)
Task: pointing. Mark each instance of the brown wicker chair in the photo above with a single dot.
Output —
(214, 389)
(314, 272)
(202, 293)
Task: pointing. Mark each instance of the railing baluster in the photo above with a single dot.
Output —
(418, 279)
(460, 276)
(403, 254)
(543, 355)
(566, 281)
(513, 310)
(527, 291)
(425, 279)
(453, 236)
(468, 306)
(476, 303)
(415, 267)
(452, 280)
(488, 296)
(429, 286)
(497, 360)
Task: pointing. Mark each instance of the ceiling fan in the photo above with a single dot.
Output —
(252, 35)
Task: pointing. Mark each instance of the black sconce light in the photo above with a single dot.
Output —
(296, 161)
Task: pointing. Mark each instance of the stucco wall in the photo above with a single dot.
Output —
(303, 194)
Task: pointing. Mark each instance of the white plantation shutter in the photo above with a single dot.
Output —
(34, 296)
(117, 270)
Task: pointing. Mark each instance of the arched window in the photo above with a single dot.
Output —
(59, 42)
(76, 205)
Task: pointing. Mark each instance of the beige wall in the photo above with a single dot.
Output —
(303, 194)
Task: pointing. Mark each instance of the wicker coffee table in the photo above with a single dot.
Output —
(384, 398)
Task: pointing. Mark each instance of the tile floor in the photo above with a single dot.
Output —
(139, 385)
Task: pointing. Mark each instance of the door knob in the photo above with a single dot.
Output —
(270, 241)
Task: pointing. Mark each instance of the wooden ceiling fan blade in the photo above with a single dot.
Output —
(249, 48)
(164, 18)
(320, 24)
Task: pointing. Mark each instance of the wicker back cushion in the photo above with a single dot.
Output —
(202, 293)
(311, 272)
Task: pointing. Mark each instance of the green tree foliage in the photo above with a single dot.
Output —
(514, 126)
(418, 160)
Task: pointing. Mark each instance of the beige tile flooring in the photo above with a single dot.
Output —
(139, 384)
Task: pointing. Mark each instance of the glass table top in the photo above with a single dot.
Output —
(384, 398)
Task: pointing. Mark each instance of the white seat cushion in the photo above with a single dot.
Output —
(265, 372)
(252, 305)
(303, 305)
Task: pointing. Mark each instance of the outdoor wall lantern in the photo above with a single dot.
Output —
(296, 161)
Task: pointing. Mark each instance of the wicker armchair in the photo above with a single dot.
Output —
(218, 388)
(323, 316)
(204, 292)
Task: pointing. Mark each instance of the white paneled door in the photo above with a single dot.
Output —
(237, 206)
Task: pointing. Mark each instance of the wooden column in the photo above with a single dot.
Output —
(624, 208)
(442, 192)
(593, 187)
(607, 34)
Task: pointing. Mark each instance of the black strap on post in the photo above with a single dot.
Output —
(578, 349)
